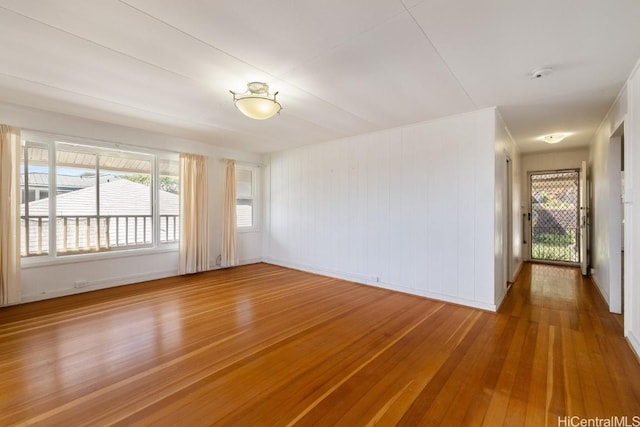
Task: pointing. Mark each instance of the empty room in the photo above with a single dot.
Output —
(384, 212)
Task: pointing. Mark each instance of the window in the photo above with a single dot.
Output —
(246, 197)
(34, 213)
(103, 198)
(169, 188)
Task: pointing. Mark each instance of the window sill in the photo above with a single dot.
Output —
(35, 262)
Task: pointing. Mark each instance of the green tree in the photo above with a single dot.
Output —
(140, 179)
(169, 184)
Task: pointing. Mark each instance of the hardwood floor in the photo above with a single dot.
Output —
(264, 345)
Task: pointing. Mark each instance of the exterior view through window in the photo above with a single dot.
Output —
(82, 198)
(245, 196)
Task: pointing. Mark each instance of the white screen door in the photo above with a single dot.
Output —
(555, 216)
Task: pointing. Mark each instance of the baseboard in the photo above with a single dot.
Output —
(504, 296)
(512, 280)
(605, 296)
(321, 271)
(113, 282)
(247, 261)
(517, 272)
(634, 343)
(99, 284)
(250, 261)
(371, 281)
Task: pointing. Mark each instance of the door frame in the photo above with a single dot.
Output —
(615, 207)
(584, 231)
(508, 227)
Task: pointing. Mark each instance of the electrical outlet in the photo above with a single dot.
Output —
(80, 283)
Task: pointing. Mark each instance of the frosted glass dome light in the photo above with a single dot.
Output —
(256, 102)
(554, 138)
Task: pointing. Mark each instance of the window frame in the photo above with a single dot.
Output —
(96, 146)
(254, 197)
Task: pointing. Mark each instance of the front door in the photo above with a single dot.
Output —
(555, 219)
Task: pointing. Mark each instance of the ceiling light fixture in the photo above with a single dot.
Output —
(256, 102)
(554, 138)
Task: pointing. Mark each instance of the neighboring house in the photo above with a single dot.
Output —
(125, 218)
(39, 184)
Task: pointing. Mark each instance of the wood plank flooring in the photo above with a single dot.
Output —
(263, 345)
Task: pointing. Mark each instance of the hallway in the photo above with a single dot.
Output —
(568, 353)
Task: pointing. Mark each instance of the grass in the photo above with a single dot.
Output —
(559, 246)
(551, 252)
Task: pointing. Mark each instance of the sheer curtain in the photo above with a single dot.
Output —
(229, 253)
(9, 215)
(194, 214)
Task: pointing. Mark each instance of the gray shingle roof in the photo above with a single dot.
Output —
(38, 179)
(119, 197)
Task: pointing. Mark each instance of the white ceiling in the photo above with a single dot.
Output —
(343, 67)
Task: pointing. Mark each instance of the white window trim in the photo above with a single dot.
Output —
(255, 197)
(52, 258)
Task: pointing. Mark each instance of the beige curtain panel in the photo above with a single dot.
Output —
(194, 214)
(10, 289)
(229, 256)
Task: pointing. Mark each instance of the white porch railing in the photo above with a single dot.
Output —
(91, 233)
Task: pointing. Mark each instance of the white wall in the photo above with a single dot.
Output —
(544, 161)
(505, 271)
(624, 114)
(103, 270)
(410, 209)
(605, 209)
(632, 223)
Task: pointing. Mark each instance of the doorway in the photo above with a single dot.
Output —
(622, 223)
(555, 216)
(509, 222)
(616, 220)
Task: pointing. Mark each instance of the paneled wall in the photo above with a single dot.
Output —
(632, 211)
(410, 209)
(507, 232)
(604, 159)
(606, 209)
